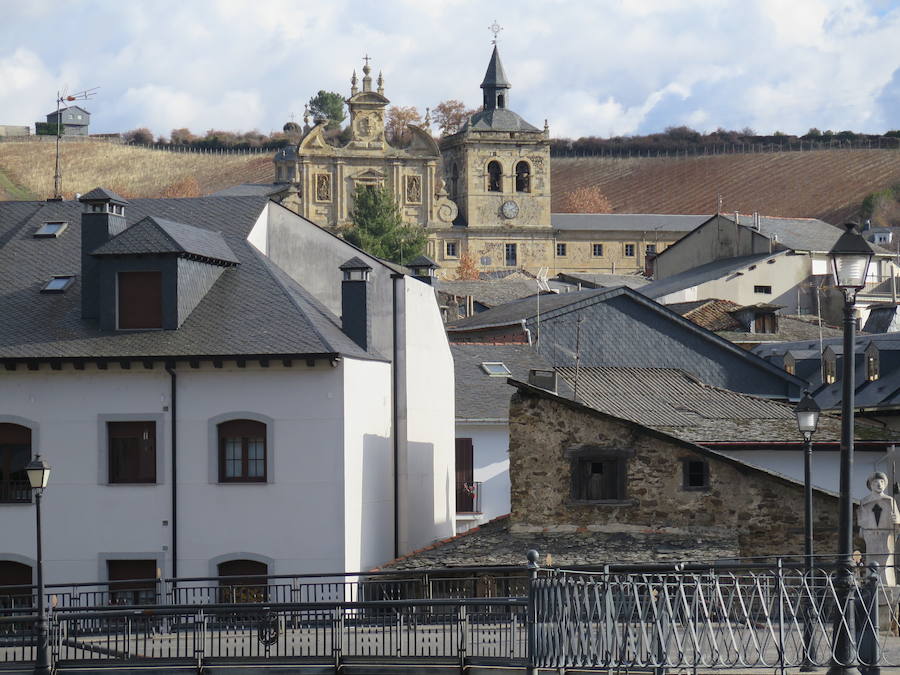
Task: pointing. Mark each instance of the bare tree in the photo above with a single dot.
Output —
(395, 124)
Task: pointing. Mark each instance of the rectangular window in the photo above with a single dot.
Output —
(140, 300)
(629, 250)
(763, 289)
(242, 451)
(132, 452)
(561, 250)
(15, 454)
(695, 474)
(465, 476)
(131, 582)
(650, 249)
(597, 250)
(599, 479)
(510, 251)
(451, 249)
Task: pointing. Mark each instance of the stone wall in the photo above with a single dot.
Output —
(765, 510)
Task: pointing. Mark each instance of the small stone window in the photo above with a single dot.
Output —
(597, 250)
(509, 251)
(561, 250)
(451, 250)
(650, 249)
(495, 174)
(599, 474)
(695, 474)
(629, 250)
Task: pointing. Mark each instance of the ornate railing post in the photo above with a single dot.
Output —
(531, 633)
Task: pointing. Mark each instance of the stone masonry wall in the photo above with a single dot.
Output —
(765, 511)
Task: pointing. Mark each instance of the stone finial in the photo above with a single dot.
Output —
(353, 82)
(533, 557)
(306, 115)
(427, 121)
(380, 83)
(367, 79)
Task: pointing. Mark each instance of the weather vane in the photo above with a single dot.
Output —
(495, 28)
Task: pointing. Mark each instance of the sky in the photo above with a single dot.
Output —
(589, 67)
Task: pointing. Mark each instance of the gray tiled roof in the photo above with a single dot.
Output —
(481, 396)
(526, 308)
(494, 543)
(495, 76)
(630, 222)
(252, 309)
(497, 119)
(798, 234)
(99, 193)
(159, 235)
(489, 293)
(672, 401)
(702, 274)
(251, 190)
(591, 280)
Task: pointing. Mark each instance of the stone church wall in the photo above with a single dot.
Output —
(767, 512)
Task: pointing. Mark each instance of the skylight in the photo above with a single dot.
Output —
(58, 284)
(495, 368)
(50, 229)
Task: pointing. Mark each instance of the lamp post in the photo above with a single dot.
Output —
(38, 471)
(807, 414)
(850, 258)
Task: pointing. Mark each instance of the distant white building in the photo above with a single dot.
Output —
(204, 410)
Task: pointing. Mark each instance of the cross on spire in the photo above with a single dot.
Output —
(495, 28)
(366, 58)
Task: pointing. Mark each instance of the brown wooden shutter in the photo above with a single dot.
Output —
(465, 474)
(140, 300)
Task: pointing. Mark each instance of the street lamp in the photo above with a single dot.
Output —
(850, 258)
(807, 414)
(38, 471)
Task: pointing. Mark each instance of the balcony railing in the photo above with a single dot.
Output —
(468, 497)
(15, 491)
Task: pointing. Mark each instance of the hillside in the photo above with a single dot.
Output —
(26, 170)
(827, 184)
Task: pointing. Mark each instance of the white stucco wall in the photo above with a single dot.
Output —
(825, 466)
(295, 521)
(425, 419)
(490, 450)
(368, 465)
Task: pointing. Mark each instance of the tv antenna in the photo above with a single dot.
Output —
(61, 98)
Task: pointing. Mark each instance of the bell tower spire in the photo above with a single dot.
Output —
(495, 85)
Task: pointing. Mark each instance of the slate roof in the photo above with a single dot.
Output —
(159, 235)
(480, 396)
(525, 308)
(251, 190)
(497, 119)
(676, 403)
(99, 193)
(495, 76)
(495, 543)
(703, 273)
(629, 222)
(798, 234)
(252, 309)
(489, 293)
(590, 280)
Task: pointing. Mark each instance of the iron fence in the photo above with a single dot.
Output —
(648, 617)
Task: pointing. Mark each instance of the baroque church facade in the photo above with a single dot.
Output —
(483, 191)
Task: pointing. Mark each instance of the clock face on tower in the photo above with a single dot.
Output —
(509, 210)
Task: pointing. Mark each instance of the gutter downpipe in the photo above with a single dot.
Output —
(173, 414)
(395, 386)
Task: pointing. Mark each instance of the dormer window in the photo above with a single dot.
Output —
(139, 300)
(829, 367)
(58, 284)
(765, 322)
(50, 230)
(872, 363)
(495, 369)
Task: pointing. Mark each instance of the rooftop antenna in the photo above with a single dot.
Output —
(61, 98)
(495, 28)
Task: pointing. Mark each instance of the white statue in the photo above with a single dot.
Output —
(877, 516)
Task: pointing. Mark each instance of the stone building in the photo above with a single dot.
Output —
(320, 179)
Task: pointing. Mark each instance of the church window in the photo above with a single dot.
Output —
(495, 173)
(501, 101)
(323, 187)
(451, 249)
(510, 251)
(695, 474)
(523, 177)
(414, 189)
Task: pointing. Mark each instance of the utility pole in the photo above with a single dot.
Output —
(60, 99)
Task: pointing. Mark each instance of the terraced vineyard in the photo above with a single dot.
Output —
(827, 184)
(26, 170)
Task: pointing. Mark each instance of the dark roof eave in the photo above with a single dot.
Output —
(174, 358)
